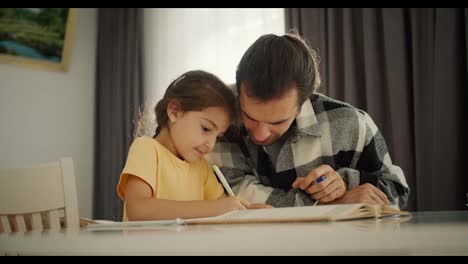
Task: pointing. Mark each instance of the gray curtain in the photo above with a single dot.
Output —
(408, 69)
(119, 93)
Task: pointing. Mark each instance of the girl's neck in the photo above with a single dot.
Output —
(164, 138)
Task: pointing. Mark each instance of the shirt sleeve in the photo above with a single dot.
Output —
(229, 157)
(212, 188)
(376, 167)
(141, 162)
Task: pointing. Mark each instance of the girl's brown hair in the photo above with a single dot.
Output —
(195, 91)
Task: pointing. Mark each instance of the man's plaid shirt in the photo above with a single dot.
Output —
(326, 131)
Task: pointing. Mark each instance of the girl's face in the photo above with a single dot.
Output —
(194, 133)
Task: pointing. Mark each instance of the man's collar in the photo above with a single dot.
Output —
(306, 121)
(305, 124)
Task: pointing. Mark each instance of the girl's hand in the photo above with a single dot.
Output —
(238, 203)
(259, 206)
(329, 189)
(234, 203)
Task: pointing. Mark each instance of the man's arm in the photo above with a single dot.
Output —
(374, 166)
(370, 175)
(239, 172)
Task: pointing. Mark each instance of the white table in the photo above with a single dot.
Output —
(425, 233)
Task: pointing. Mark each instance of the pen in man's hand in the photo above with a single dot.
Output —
(319, 179)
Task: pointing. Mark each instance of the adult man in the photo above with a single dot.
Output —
(292, 136)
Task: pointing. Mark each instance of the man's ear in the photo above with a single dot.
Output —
(174, 110)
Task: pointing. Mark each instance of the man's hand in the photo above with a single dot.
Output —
(327, 190)
(366, 193)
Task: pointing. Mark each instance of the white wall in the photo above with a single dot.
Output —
(47, 115)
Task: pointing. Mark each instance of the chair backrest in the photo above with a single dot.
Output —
(34, 198)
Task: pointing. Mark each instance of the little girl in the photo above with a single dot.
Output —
(167, 177)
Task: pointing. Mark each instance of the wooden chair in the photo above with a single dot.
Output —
(35, 198)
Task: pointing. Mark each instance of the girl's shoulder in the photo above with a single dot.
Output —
(145, 144)
(145, 140)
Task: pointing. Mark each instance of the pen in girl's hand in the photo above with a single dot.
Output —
(223, 180)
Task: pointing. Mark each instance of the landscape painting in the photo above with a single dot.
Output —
(37, 37)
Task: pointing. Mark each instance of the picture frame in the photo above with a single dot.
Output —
(40, 38)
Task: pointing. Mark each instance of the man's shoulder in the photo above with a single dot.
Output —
(323, 103)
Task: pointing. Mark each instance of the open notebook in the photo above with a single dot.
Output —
(272, 215)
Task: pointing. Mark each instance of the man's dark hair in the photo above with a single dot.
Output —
(272, 64)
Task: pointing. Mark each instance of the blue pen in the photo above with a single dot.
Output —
(319, 179)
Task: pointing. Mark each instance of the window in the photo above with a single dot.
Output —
(214, 40)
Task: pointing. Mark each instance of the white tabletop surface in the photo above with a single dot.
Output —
(424, 233)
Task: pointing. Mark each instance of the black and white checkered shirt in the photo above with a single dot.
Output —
(326, 131)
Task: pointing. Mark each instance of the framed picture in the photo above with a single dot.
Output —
(37, 37)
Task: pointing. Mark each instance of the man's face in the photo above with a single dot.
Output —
(267, 121)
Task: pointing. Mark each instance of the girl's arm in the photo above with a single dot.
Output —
(141, 206)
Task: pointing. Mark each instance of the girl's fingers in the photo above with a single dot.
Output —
(259, 206)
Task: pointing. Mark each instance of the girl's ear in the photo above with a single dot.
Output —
(174, 110)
